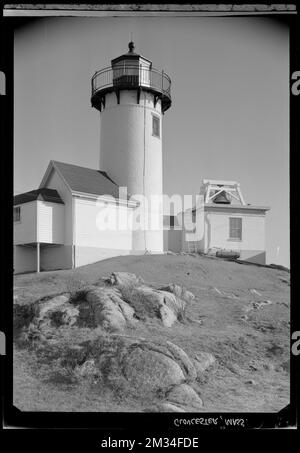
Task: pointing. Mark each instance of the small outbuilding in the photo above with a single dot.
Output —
(222, 223)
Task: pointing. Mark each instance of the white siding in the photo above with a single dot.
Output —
(92, 244)
(193, 231)
(40, 222)
(55, 182)
(51, 222)
(217, 231)
(88, 255)
(87, 233)
(215, 234)
(25, 231)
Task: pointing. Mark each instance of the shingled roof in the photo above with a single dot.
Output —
(38, 194)
(87, 180)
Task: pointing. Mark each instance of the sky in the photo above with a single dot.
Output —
(229, 118)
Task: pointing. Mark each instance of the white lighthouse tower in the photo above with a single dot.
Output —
(132, 97)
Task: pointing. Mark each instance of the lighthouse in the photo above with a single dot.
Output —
(132, 97)
(63, 223)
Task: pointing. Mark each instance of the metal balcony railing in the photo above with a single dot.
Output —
(130, 77)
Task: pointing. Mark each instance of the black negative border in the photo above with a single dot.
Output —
(117, 423)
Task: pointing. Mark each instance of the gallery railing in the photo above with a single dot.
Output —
(132, 76)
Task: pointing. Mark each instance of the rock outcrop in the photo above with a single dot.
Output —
(123, 279)
(109, 309)
(156, 370)
(124, 300)
(168, 303)
(185, 396)
(202, 361)
(151, 368)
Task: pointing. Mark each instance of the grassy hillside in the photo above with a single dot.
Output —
(240, 314)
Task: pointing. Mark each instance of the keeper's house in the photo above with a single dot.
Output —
(49, 221)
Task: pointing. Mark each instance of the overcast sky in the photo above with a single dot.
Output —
(229, 118)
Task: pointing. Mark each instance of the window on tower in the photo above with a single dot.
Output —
(155, 126)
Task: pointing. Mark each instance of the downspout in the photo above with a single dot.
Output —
(73, 235)
(38, 254)
(144, 176)
(38, 267)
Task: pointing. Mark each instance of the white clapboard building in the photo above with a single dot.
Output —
(222, 224)
(55, 226)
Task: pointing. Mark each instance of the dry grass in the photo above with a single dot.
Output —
(76, 287)
(253, 350)
(31, 393)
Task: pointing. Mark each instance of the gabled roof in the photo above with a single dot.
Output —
(44, 194)
(84, 180)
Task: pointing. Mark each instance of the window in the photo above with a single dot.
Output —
(155, 126)
(235, 228)
(17, 214)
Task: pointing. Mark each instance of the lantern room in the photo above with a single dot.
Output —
(131, 71)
